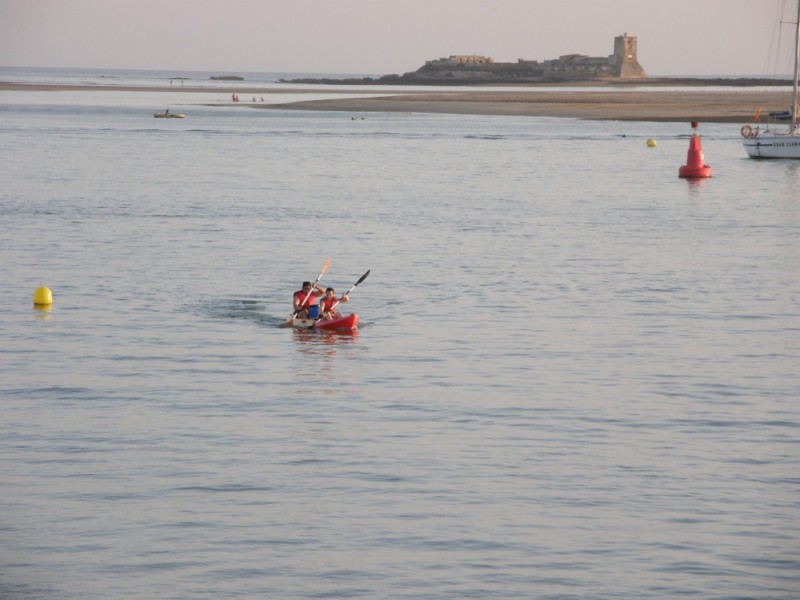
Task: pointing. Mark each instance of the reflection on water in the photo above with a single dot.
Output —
(315, 342)
(695, 184)
(42, 312)
(317, 351)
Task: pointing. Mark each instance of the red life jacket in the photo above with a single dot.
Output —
(301, 296)
(328, 303)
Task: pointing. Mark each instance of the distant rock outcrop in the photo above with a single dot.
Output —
(227, 78)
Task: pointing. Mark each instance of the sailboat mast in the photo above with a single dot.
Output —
(796, 68)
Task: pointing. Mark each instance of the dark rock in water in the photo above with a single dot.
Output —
(227, 78)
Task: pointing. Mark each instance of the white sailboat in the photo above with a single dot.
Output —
(774, 141)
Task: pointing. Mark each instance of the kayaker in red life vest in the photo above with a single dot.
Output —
(309, 309)
(328, 304)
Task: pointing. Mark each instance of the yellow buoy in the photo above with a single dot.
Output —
(42, 297)
(651, 143)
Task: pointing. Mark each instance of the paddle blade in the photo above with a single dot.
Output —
(362, 278)
(325, 268)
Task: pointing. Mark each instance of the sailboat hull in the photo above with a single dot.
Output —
(773, 145)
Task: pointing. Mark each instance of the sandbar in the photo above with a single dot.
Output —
(705, 104)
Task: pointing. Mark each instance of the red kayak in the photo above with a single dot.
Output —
(349, 322)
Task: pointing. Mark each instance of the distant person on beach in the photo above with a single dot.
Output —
(307, 309)
(328, 305)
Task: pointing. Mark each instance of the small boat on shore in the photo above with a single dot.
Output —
(346, 323)
(168, 115)
(777, 140)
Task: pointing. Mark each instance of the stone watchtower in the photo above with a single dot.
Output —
(624, 58)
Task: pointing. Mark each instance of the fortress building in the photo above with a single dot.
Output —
(622, 65)
(625, 58)
(469, 59)
(467, 69)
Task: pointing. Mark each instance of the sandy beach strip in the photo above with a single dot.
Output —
(703, 104)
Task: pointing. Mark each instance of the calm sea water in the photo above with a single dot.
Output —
(577, 375)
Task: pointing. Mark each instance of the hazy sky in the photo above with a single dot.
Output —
(676, 37)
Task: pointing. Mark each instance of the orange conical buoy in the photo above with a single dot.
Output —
(694, 166)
